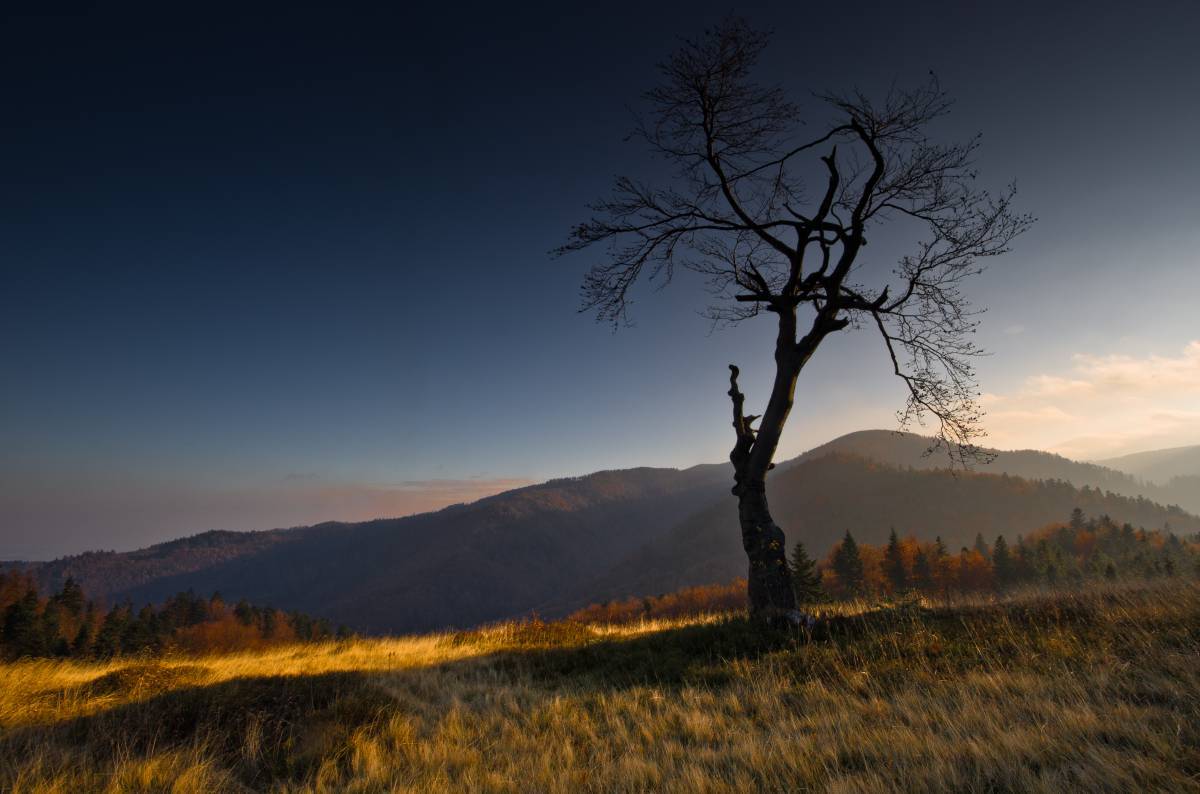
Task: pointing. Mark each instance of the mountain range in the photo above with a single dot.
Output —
(1161, 466)
(556, 546)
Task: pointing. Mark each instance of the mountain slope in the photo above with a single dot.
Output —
(818, 499)
(1159, 465)
(557, 546)
(909, 449)
(466, 564)
(103, 573)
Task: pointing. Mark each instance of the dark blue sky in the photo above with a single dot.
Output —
(264, 268)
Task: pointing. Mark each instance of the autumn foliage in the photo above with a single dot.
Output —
(682, 603)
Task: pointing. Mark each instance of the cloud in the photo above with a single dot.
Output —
(1153, 373)
(1104, 405)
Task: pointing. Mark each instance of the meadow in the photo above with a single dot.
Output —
(1096, 689)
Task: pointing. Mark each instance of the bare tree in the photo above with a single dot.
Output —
(736, 212)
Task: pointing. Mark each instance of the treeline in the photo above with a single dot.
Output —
(680, 604)
(1080, 549)
(1069, 553)
(68, 624)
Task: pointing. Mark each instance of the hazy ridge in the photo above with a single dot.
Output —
(561, 544)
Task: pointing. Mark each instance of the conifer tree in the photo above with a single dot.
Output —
(1002, 563)
(270, 620)
(82, 644)
(70, 597)
(922, 571)
(244, 612)
(981, 546)
(22, 627)
(848, 565)
(108, 638)
(49, 624)
(806, 582)
(893, 564)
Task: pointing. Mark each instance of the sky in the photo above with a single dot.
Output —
(266, 268)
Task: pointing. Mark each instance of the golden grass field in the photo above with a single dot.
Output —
(1094, 691)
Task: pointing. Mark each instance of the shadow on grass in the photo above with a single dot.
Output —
(671, 657)
(264, 728)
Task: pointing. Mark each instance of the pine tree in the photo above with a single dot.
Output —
(981, 546)
(269, 621)
(108, 638)
(22, 627)
(141, 632)
(848, 565)
(82, 644)
(806, 582)
(49, 625)
(1078, 520)
(893, 564)
(244, 612)
(939, 548)
(1002, 563)
(70, 597)
(922, 571)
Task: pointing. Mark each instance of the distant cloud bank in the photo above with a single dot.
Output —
(1102, 406)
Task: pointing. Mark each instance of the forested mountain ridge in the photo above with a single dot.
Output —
(1129, 476)
(1159, 465)
(559, 545)
(464, 564)
(816, 500)
(1174, 473)
(103, 573)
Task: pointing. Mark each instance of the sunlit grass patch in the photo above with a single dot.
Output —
(1096, 690)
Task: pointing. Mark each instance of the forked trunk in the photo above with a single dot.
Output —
(768, 579)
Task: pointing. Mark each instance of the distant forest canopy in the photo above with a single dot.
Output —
(68, 624)
(1071, 553)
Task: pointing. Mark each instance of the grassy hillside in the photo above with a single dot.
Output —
(1093, 691)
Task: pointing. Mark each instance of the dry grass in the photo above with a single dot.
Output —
(1093, 691)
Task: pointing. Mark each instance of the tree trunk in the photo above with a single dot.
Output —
(769, 580)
